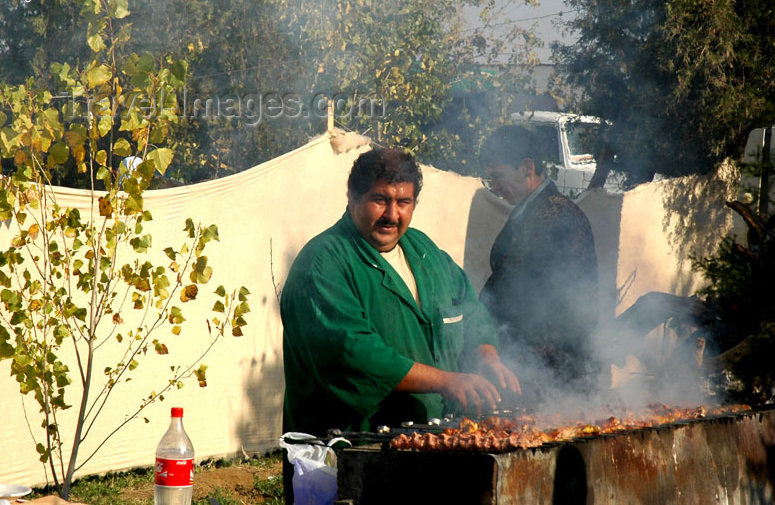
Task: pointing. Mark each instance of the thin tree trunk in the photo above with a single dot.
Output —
(68, 480)
(604, 160)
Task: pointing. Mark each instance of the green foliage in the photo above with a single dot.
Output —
(220, 496)
(387, 68)
(64, 290)
(36, 33)
(683, 81)
(751, 375)
(271, 489)
(259, 75)
(135, 487)
(106, 489)
(724, 65)
(741, 277)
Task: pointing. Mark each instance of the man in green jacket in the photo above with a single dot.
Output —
(380, 325)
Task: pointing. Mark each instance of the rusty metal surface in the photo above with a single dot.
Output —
(728, 461)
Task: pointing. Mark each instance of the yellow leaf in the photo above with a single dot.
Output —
(189, 293)
(95, 42)
(34, 231)
(122, 147)
(105, 124)
(106, 208)
(25, 138)
(98, 75)
(74, 138)
(59, 152)
(161, 159)
(41, 144)
(176, 330)
(119, 9)
(201, 376)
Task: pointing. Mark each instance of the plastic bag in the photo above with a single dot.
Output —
(314, 468)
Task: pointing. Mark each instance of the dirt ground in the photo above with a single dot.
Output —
(236, 481)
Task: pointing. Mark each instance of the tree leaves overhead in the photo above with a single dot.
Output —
(683, 81)
(386, 66)
(254, 78)
(161, 158)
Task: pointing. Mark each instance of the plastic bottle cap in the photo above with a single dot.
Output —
(177, 411)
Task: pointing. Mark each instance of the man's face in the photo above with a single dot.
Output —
(383, 214)
(508, 182)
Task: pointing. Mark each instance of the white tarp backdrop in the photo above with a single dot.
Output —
(264, 216)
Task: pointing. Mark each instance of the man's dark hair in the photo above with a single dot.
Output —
(380, 164)
(509, 145)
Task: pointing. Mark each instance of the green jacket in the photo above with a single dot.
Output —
(352, 331)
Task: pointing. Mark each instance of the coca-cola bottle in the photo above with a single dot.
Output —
(174, 473)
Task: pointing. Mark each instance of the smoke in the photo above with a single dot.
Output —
(629, 370)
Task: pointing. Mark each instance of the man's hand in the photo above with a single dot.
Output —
(471, 391)
(491, 366)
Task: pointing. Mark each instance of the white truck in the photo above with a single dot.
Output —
(568, 144)
(760, 140)
(760, 143)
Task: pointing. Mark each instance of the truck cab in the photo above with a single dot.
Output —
(568, 143)
(760, 142)
(760, 153)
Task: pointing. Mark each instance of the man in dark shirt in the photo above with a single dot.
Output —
(543, 289)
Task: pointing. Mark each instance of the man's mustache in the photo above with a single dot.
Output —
(386, 222)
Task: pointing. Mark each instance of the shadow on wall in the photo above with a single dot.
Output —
(695, 218)
(604, 211)
(260, 427)
(486, 218)
(261, 423)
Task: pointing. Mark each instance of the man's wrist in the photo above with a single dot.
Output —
(487, 354)
(423, 378)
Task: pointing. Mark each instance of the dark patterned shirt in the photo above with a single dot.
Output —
(543, 289)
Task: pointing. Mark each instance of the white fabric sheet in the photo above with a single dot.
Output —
(265, 215)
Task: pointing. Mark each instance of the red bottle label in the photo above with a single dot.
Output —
(174, 472)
